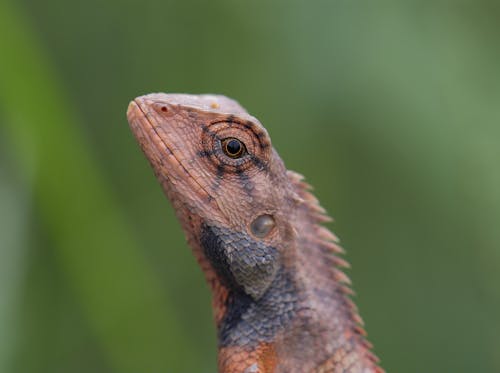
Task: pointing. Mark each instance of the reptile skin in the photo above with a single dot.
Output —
(280, 299)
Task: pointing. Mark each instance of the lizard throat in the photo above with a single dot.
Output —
(262, 296)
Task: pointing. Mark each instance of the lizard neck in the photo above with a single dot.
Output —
(304, 321)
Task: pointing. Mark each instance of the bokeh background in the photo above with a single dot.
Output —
(390, 108)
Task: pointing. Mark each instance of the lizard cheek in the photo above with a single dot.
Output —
(262, 225)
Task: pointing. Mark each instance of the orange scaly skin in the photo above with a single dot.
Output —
(281, 302)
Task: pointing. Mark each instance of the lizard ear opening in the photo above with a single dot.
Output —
(262, 225)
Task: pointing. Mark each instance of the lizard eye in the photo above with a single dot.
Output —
(233, 148)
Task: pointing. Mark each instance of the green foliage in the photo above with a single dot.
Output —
(390, 109)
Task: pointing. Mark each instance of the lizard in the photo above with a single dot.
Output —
(281, 300)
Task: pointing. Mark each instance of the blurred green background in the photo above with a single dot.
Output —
(390, 108)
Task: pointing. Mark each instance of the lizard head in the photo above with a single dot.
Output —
(218, 167)
(214, 160)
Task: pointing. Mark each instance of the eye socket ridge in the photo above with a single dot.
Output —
(233, 148)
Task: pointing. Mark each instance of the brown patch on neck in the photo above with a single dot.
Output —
(219, 300)
(262, 359)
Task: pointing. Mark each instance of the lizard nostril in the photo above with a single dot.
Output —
(262, 225)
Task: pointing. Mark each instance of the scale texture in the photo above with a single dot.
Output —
(280, 298)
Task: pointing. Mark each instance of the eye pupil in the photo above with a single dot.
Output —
(233, 147)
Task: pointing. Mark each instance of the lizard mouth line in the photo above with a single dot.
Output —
(143, 120)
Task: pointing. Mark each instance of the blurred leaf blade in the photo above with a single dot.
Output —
(125, 306)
